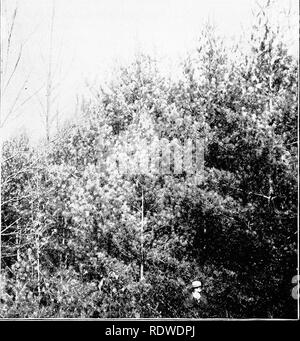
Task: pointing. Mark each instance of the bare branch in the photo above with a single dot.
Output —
(14, 103)
(30, 97)
(12, 176)
(10, 34)
(49, 77)
(9, 226)
(14, 69)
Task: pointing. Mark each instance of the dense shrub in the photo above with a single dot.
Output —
(80, 239)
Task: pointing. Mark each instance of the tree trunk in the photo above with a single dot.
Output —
(142, 240)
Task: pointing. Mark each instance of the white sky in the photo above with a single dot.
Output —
(92, 35)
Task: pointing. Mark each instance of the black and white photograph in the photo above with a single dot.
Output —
(149, 161)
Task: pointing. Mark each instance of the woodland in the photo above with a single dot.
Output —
(81, 239)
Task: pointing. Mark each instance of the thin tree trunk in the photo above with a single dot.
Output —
(142, 240)
(49, 79)
(18, 243)
(38, 263)
(37, 243)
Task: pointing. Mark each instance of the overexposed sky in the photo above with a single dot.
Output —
(91, 36)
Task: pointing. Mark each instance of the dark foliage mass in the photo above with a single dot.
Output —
(80, 239)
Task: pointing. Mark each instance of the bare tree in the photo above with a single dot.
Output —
(49, 107)
(12, 53)
(49, 89)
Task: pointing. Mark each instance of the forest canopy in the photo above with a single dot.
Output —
(82, 239)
